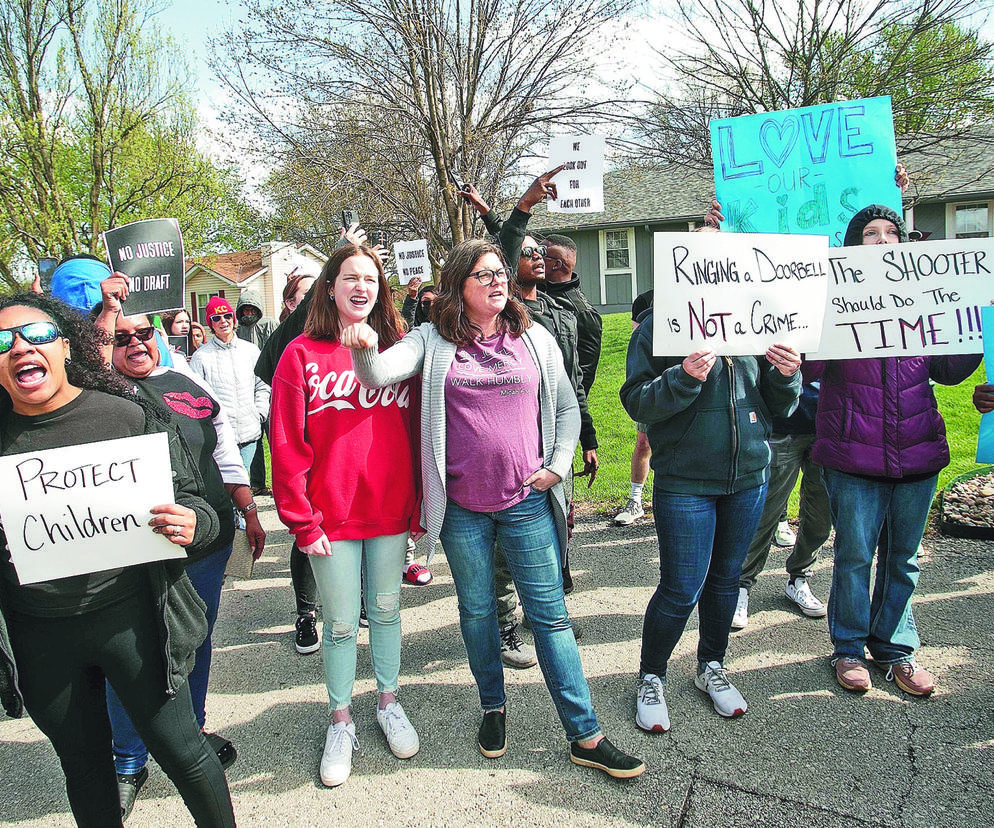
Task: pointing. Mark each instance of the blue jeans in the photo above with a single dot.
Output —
(207, 576)
(703, 540)
(247, 451)
(381, 561)
(889, 519)
(527, 534)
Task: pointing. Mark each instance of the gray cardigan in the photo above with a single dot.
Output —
(424, 350)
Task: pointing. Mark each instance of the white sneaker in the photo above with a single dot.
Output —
(632, 512)
(401, 735)
(650, 706)
(741, 616)
(727, 701)
(800, 593)
(785, 535)
(336, 762)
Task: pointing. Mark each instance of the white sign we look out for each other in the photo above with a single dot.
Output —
(86, 508)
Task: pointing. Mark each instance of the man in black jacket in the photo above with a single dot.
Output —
(563, 285)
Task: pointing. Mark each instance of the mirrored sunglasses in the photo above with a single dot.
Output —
(34, 333)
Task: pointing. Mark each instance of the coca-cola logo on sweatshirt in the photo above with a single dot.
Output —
(343, 392)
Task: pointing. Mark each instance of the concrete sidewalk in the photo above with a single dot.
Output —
(807, 753)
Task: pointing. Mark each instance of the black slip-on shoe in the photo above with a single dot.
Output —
(493, 734)
(606, 757)
(225, 751)
(128, 786)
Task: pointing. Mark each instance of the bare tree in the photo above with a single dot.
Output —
(747, 56)
(391, 94)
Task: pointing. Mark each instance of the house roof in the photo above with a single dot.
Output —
(952, 168)
(640, 196)
(236, 267)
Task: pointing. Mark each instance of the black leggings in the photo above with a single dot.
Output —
(62, 665)
(305, 588)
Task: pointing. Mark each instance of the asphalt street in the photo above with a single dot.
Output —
(806, 754)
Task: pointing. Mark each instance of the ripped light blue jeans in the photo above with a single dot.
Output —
(375, 566)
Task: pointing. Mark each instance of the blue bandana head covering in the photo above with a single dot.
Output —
(76, 282)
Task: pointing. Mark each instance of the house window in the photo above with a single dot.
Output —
(617, 249)
(202, 300)
(972, 221)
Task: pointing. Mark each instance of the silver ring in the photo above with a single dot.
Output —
(177, 530)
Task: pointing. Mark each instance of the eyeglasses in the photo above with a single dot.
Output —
(217, 317)
(486, 277)
(529, 252)
(555, 264)
(34, 333)
(123, 340)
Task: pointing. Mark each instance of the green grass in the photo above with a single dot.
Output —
(616, 432)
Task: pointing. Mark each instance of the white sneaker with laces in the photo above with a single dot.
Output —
(800, 593)
(741, 617)
(727, 701)
(336, 762)
(401, 735)
(785, 535)
(650, 707)
(632, 512)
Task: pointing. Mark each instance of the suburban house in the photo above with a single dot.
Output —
(951, 196)
(264, 270)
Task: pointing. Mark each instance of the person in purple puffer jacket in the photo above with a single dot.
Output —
(881, 442)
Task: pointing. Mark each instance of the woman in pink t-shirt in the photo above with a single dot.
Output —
(344, 484)
(500, 425)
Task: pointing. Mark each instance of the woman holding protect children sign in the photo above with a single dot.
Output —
(882, 442)
(134, 626)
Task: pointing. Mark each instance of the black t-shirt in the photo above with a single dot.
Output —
(91, 417)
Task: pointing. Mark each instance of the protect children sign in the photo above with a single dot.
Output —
(150, 253)
(806, 170)
(86, 508)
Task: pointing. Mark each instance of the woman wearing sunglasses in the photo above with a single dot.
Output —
(344, 483)
(60, 640)
(500, 424)
(222, 482)
(227, 363)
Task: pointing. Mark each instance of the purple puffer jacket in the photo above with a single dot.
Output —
(878, 417)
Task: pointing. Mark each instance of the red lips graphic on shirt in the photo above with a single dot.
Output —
(183, 402)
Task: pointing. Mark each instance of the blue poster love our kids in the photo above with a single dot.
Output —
(805, 170)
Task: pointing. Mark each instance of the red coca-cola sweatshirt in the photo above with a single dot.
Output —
(344, 456)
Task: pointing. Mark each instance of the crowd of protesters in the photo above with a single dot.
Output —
(456, 420)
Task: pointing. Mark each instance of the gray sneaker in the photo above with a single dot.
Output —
(632, 512)
(513, 650)
(650, 706)
(728, 701)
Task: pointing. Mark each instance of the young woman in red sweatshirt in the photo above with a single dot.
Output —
(344, 483)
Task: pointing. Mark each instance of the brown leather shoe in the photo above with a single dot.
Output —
(911, 678)
(852, 674)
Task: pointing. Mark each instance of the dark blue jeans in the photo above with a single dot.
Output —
(207, 576)
(527, 534)
(703, 540)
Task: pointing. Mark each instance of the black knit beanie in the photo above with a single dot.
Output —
(854, 232)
